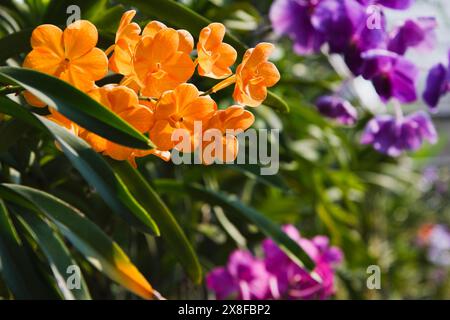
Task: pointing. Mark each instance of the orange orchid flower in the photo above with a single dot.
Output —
(214, 56)
(124, 102)
(58, 118)
(127, 37)
(186, 41)
(254, 75)
(228, 123)
(70, 55)
(180, 109)
(186, 44)
(161, 61)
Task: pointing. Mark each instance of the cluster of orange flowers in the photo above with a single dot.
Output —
(154, 96)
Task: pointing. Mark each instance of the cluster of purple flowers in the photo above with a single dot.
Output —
(356, 29)
(392, 135)
(247, 277)
(337, 108)
(433, 179)
(436, 238)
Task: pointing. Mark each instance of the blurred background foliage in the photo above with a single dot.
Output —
(370, 205)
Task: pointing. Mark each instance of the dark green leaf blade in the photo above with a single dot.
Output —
(15, 44)
(77, 106)
(18, 271)
(11, 108)
(289, 246)
(171, 231)
(90, 240)
(91, 166)
(10, 132)
(254, 172)
(233, 205)
(57, 254)
(99, 174)
(277, 103)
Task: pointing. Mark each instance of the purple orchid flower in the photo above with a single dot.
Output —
(364, 39)
(437, 85)
(338, 20)
(294, 282)
(436, 239)
(393, 4)
(439, 246)
(418, 33)
(392, 136)
(337, 108)
(244, 278)
(277, 276)
(293, 18)
(392, 75)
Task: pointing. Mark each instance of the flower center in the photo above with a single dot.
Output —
(175, 120)
(62, 67)
(159, 73)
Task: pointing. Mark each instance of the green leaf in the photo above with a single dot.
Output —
(18, 271)
(171, 231)
(14, 44)
(233, 205)
(180, 16)
(109, 19)
(9, 107)
(91, 166)
(90, 10)
(103, 253)
(254, 172)
(99, 174)
(10, 132)
(328, 221)
(77, 106)
(275, 102)
(57, 255)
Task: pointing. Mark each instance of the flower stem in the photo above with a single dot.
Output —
(8, 89)
(398, 110)
(148, 99)
(221, 85)
(110, 49)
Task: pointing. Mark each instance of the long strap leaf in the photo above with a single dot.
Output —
(103, 253)
(233, 205)
(10, 133)
(57, 254)
(77, 106)
(91, 166)
(18, 271)
(171, 231)
(15, 44)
